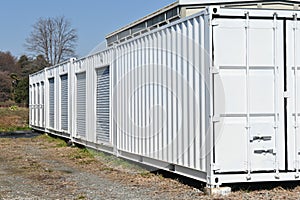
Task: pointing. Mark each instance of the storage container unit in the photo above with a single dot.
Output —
(212, 96)
(36, 100)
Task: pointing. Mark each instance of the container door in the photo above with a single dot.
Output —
(248, 78)
(51, 102)
(103, 105)
(81, 105)
(43, 104)
(38, 104)
(293, 93)
(64, 102)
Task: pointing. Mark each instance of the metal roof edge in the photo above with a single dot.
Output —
(224, 2)
(168, 7)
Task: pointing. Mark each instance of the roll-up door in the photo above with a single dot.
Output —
(51, 102)
(37, 111)
(103, 104)
(43, 104)
(30, 105)
(64, 102)
(34, 105)
(81, 105)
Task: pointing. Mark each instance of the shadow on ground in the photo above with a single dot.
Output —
(286, 185)
(19, 134)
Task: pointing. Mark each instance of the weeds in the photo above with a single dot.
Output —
(57, 141)
(14, 119)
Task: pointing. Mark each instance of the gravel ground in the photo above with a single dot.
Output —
(45, 168)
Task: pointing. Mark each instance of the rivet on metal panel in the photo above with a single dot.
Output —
(248, 177)
(259, 5)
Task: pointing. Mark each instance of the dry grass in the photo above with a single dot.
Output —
(13, 119)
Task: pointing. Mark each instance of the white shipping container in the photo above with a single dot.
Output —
(213, 96)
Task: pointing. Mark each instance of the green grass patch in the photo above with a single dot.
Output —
(14, 118)
(57, 141)
(112, 161)
(82, 153)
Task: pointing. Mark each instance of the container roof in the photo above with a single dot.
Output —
(126, 30)
(168, 7)
(220, 2)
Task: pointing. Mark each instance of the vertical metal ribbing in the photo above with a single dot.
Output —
(276, 74)
(81, 105)
(296, 96)
(248, 97)
(103, 105)
(64, 103)
(51, 103)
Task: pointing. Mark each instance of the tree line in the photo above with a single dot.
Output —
(52, 40)
(14, 76)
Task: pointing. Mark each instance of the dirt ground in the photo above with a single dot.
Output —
(42, 167)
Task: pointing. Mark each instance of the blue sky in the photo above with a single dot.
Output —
(93, 19)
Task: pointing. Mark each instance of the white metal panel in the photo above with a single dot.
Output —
(51, 103)
(81, 105)
(293, 94)
(103, 104)
(248, 90)
(64, 98)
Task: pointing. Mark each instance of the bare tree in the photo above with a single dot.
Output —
(54, 38)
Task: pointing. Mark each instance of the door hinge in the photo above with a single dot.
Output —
(286, 94)
(215, 167)
(215, 70)
(214, 23)
(216, 118)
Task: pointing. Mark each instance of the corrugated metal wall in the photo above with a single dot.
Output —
(81, 104)
(64, 102)
(159, 110)
(103, 104)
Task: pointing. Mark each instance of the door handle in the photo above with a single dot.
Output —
(264, 138)
(264, 151)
